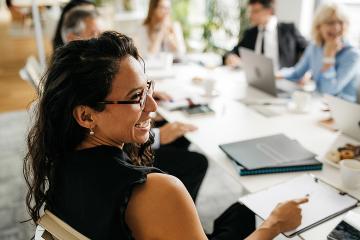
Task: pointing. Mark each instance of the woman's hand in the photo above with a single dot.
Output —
(172, 131)
(232, 60)
(331, 47)
(286, 216)
(278, 75)
(169, 34)
(165, 32)
(166, 25)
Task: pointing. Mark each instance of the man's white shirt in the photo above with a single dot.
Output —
(271, 42)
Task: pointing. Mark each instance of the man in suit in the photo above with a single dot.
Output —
(282, 42)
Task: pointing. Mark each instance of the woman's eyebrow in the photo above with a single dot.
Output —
(134, 90)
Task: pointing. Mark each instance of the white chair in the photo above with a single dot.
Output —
(32, 72)
(51, 227)
(39, 232)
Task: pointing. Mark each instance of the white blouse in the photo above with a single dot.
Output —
(142, 41)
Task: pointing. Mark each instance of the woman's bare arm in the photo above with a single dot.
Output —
(163, 209)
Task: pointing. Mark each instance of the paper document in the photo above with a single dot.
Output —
(324, 201)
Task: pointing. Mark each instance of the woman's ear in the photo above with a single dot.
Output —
(84, 116)
(71, 37)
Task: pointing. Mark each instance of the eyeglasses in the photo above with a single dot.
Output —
(148, 91)
(333, 22)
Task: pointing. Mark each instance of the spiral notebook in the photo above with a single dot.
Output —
(325, 201)
(271, 154)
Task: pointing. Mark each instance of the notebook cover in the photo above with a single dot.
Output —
(275, 153)
(245, 172)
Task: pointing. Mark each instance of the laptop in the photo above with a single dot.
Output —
(259, 72)
(346, 116)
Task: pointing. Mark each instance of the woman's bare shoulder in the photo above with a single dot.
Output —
(163, 209)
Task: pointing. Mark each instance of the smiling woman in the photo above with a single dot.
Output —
(131, 113)
(89, 160)
(74, 121)
(333, 62)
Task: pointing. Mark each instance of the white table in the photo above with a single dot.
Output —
(234, 121)
(321, 231)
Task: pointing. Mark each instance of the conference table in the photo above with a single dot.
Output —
(235, 120)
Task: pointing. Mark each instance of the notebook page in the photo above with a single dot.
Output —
(324, 200)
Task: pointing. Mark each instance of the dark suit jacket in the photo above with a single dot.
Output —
(291, 43)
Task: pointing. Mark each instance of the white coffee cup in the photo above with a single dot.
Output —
(209, 87)
(301, 100)
(350, 173)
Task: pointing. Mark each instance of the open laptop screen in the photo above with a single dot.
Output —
(259, 71)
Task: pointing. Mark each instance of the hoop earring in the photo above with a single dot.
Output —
(91, 132)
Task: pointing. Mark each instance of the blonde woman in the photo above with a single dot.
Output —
(332, 61)
(159, 33)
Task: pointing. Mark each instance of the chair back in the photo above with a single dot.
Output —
(51, 227)
(32, 72)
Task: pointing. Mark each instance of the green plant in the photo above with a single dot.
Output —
(215, 19)
(213, 23)
(128, 5)
(218, 20)
(101, 2)
(244, 19)
(180, 13)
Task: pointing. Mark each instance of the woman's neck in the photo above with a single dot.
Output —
(94, 141)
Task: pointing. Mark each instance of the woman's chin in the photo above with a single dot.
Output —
(142, 139)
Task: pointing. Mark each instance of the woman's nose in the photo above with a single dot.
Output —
(150, 104)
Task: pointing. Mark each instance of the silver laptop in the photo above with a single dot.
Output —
(346, 116)
(259, 71)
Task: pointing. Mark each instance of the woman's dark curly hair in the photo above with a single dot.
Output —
(80, 73)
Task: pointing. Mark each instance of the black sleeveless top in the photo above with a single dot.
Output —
(92, 189)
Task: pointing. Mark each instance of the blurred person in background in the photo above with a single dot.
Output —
(279, 41)
(80, 24)
(159, 33)
(332, 61)
(83, 4)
